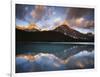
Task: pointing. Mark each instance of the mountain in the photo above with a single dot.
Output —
(31, 27)
(62, 33)
(39, 36)
(67, 31)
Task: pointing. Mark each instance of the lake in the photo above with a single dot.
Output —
(54, 56)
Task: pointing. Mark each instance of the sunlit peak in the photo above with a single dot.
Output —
(65, 22)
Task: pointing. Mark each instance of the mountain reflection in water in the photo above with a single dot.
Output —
(35, 57)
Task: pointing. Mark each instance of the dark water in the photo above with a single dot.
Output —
(35, 57)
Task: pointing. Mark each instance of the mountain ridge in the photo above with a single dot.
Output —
(62, 33)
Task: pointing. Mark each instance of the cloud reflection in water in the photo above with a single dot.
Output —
(50, 62)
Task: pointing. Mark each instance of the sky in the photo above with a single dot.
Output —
(49, 17)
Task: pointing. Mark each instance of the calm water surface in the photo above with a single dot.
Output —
(35, 57)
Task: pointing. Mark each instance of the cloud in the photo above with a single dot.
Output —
(20, 13)
(79, 12)
(79, 20)
(81, 23)
(47, 17)
(89, 24)
(38, 12)
(30, 13)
